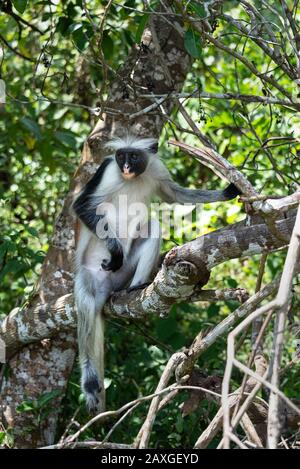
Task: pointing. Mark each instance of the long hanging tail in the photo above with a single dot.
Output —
(90, 342)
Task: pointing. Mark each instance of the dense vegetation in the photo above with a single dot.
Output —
(52, 68)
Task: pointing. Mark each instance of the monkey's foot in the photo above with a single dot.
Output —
(113, 265)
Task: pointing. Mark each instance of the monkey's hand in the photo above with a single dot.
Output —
(114, 264)
(116, 251)
(231, 192)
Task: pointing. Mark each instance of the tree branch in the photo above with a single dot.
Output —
(183, 268)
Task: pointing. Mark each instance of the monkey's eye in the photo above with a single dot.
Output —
(121, 157)
(134, 157)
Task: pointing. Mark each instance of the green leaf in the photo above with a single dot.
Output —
(141, 27)
(130, 3)
(20, 5)
(179, 424)
(48, 397)
(63, 25)
(7, 438)
(13, 266)
(166, 328)
(66, 138)
(80, 38)
(26, 406)
(32, 126)
(213, 310)
(198, 8)
(193, 44)
(232, 305)
(7, 246)
(107, 45)
(232, 282)
(33, 231)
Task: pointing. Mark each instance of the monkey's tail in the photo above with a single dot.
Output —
(90, 330)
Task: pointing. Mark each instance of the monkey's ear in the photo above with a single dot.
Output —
(154, 147)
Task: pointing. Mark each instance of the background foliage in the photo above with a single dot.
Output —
(54, 81)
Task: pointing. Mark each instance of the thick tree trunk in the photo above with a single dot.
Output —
(44, 367)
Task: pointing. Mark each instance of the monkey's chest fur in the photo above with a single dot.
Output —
(127, 211)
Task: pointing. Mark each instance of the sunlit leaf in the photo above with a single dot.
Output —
(66, 138)
(80, 37)
(141, 27)
(32, 126)
(193, 44)
(25, 406)
(20, 5)
(198, 8)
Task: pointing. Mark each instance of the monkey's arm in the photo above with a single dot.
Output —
(85, 207)
(86, 203)
(172, 192)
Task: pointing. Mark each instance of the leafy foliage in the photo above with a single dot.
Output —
(53, 74)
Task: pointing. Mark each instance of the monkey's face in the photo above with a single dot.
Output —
(132, 162)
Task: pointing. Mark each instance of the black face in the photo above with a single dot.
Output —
(132, 162)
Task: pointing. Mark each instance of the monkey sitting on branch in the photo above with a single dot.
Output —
(116, 249)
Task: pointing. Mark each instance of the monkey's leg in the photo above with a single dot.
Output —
(92, 289)
(145, 252)
(122, 277)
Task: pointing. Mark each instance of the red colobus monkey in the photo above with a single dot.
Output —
(114, 252)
